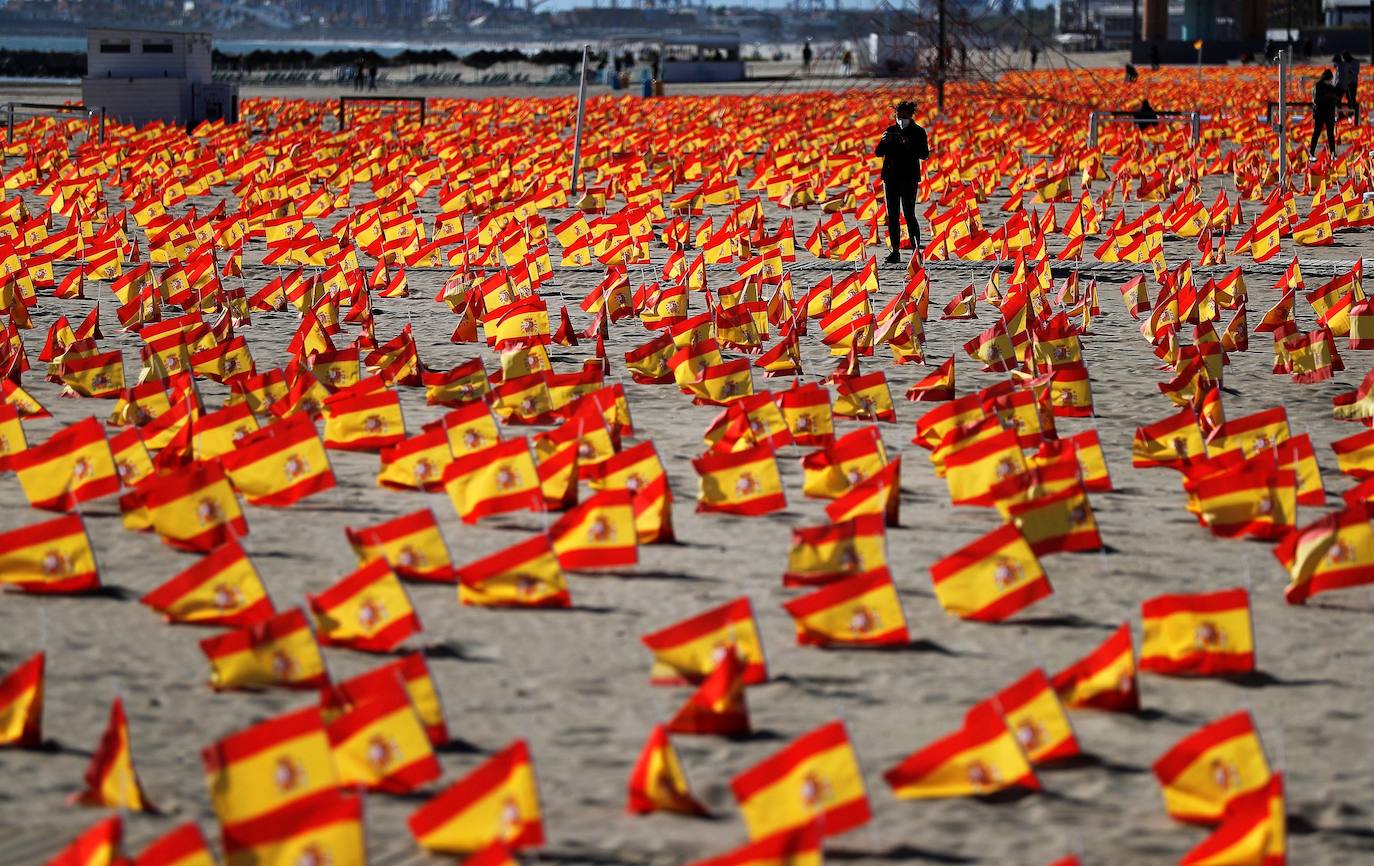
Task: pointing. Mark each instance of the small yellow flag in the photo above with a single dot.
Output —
(1198, 45)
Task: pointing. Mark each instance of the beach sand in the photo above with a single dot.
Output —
(574, 683)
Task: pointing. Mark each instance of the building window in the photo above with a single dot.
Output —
(114, 48)
(164, 47)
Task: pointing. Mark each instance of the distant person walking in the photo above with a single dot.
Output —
(1348, 74)
(847, 62)
(1035, 55)
(902, 148)
(1154, 57)
(806, 58)
(1325, 98)
(359, 70)
(372, 75)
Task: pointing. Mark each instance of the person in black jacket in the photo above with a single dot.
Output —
(1325, 98)
(902, 148)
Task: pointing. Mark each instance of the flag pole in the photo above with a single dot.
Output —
(581, 113)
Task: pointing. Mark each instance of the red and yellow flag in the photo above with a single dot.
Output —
(1201, 634)
(743, 482)
(718, 705)
(687, 651)
(111, 780)
(1104, 679)
(368, 610)
(279, 651)
(1210, 767)
(222, 588)
(412, 544)
(73, 466)
(53, 556)
(183, 846)
(497, 801)
(411, 671)
(21, 704)
(1253, 831)
(195, 508)
(495, 480)
(1033, 712)
(862, 610)
(657, 782)
(1336, 551)
(990, 579)
(98, 845)
(981, 758)
(380, 743)
(280, 464)
(598, 534)
(800, 846)
(526, 574)
(831, 552)
(813, 781)
(328, 828)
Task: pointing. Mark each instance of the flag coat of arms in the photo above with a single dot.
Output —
(1210, 767)
(1202, 634)
(814, 779)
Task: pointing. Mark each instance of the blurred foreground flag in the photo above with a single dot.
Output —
(813, 781)
(111, 780)
(657, 782)
(800, 846)
(1033, 712)
(98, 845)
(688, 651)
(497, 802)
(328, 829)
(1253, 831)
(980, 758)
(183, 846)
(1210, 767)
(1203, 634)
(526, 574)
(1336, 551)
(380, 743)
(21, 704)
(54, 556)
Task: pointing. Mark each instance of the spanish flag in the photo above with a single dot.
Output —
(639, 470)
(743, 482)
(1057, 523)
(99, 845)
(73, 466)
(824, 554)
(862, 610)
(280, 464)
(363, 422)
(494, 480)
(598, 534)
(977, 471)
(1355, 455)
(183, 846)
(880, 493)
(412, 544)
(657, 782)
(497, 802)
(280, 651)
(990, 579)
(21, 704)
(526, 574)
(1253, 831)
(258, 771)
(1203, 634)
(806, 409)
(1336, 551)
(814, 781)
(53, 556)
(687, 651)
(981, 758)
(718, 706)
(368, 610)
(379, 742)
(799, 846)
(1104, 679)
(111, 780)
(1171, 442)
(1032, 711)
(1211, 766)
(469, 427)
(411, 671)
(325, 829)
(222, 588)
(1254, 499)
(417, 463)
(194, 509)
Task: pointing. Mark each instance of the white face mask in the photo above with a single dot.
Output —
(903, 122)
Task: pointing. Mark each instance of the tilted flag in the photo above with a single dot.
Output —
(411, 671)
(99, 845)
(327, 829)
(50, 557)
(280, 464)
(1059, 522)
(380, 743)
(718, 705)
(800, 846)
(862, 610)
(1211, 766)
(991, 578)
(111, 780)
(526, 574)
(183, 846)
(981, 758)
(1336, 551)
(368, 610)
(21, 704)
(411, 543)
(280, 651)
(497, 801)
(1253, 831)
(494, 480)
(687, 651)
(272, 765)
(598, 534)
(1033, 712)
(1104, 679)
(1202, 634)
(743, 482)
(194, 508)
(73, 466)
(831, 552)
(222, 588)
(812, 781)
(657, 782)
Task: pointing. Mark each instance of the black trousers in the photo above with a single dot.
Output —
(1327, 122)
(901, 201)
